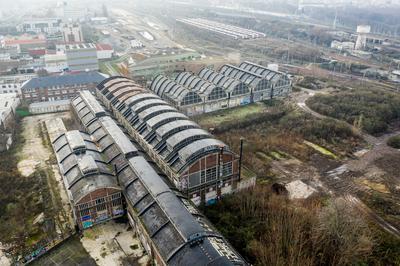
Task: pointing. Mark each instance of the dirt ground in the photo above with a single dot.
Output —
(111, 242)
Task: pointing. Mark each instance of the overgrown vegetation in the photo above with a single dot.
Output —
(22, 201)
(280, 129)
(270, 230)
(394, 142)
(371, 110)
(311, 83)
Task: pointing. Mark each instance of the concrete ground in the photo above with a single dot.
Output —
(34, 152)
(110, 243)
(4, 261)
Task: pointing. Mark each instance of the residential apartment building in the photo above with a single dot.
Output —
(13, 83)
(47, 26)
(82, 57)
(72, 33)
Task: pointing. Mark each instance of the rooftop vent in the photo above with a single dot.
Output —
(88, 165)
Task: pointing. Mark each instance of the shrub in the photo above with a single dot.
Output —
(371, 110)
(394, 142)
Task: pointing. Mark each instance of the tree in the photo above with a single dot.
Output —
(42, 72)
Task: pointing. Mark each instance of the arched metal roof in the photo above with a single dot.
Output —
(148, 114)
(228, 83)
(269, 74)
(178, 94)
(171, 222)
(82, 165)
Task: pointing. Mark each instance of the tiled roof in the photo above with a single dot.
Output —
(102, 47)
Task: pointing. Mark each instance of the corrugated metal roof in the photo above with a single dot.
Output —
(75, 140)
(196, 147)
(83, 172)
(92, 103)
(118, 136)
(185, 135)
(180, 233)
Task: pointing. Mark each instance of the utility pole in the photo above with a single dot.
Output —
(240, 158)
(220, 170)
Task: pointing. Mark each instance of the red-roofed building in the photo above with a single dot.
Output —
(37, 52)
(24, 45)
(104, 51)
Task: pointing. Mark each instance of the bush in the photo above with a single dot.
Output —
(371, 110)
(270, 230)
(394, 142)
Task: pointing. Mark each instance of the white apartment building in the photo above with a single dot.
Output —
(72, 33)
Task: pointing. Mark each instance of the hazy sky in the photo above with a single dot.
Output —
(34, 4)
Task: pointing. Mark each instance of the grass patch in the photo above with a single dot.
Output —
(247, 173)
(276, 155)
(320, 149)
(382, 188)
(229, 115)
(89, 234)
(265, 157)
(23, 112)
